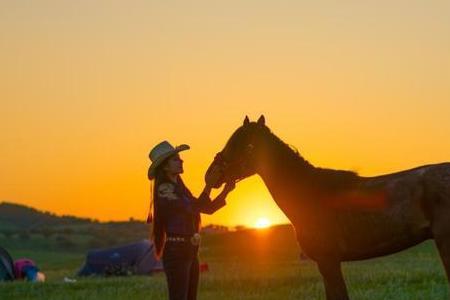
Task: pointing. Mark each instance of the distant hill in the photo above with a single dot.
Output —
(23, 227)
(16, 216)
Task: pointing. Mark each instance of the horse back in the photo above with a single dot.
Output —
(406, 205)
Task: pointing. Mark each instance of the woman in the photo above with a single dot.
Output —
(176, 219)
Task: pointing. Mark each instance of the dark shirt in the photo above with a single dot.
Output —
(180, 210)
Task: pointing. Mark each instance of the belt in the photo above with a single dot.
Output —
(194, 239)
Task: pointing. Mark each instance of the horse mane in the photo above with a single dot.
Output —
(296, 165)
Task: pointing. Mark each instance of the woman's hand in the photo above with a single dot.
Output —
(229, 186)
(213, 176)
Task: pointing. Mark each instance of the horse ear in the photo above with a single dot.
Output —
(246, 121)
(262, 121)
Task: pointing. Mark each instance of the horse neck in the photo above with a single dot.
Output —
(295, 184)
(283, 171)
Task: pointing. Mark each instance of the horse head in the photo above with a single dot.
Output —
(237, 160)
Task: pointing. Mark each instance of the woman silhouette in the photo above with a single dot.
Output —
(176, 219)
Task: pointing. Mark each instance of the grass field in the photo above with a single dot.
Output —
(246, 265)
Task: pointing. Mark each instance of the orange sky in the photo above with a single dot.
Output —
(88, 87)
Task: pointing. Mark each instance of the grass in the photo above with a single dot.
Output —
(245, 266)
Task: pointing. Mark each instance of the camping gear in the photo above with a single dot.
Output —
(25, 268)
(6, 266)
(20, 266)
(203, 267)
(69, 280)
(132, 259)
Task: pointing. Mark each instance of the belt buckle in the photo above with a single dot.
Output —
(195, 239)
(175, 239)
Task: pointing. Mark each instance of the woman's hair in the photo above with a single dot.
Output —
(158, 233)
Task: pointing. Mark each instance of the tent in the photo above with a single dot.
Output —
(6, 266)
(132, 259)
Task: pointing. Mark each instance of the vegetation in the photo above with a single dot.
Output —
(248, 264)
(27, 228)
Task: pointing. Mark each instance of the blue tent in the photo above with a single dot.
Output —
(132, 259)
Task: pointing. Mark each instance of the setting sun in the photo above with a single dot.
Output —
(262, 223)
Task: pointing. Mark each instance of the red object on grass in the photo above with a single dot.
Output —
(204, 267)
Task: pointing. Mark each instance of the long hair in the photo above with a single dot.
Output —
(158, 232)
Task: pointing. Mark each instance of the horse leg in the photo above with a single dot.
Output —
(331, 272)
(443, 245)
(441, 233)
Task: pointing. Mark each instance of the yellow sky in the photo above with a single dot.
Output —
(88, 87)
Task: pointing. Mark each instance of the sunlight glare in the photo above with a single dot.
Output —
(262, 223)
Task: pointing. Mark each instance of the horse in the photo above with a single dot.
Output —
(338, 215)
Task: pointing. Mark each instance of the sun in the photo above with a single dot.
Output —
(262, 223)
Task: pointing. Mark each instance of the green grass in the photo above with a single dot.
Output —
(246, 266)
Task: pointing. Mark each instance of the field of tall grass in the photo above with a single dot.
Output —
(250, 264)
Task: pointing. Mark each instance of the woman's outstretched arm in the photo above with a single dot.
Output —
(207, 206)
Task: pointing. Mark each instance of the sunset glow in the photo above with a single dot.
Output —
(87, 88)
(262, 223)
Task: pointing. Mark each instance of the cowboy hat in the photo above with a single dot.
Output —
(160, 153)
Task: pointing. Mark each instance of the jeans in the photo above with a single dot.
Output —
(30, 272)
(180, 261)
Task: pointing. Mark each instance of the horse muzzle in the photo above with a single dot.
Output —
(214, 176)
